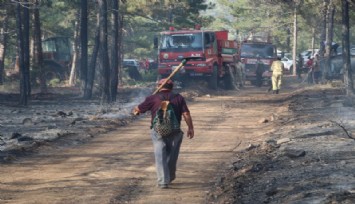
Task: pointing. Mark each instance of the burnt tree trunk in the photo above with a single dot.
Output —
(38, 52)
(92, 64)
(3, 42)
(76, 50)
(120, 48)
(114, 51)
(84, 43)
(348, 80)
(26, 46)
(104, 58)
(329, 40)
(20, 53)
(295, 34)
(324, 29)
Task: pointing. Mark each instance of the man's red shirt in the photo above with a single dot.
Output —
(152, 103)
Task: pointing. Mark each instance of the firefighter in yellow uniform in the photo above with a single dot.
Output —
(277, 69)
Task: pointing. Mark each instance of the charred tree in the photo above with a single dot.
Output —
(20, 53)
(92, 64)
(120, 48)
(103, 53)
(324, 28)
(329, 40)
(83, 42)
(295, 30)
(114, 51)
(348, 80)
(38, 51)
(3, 42)
(26, 46)
(76, 48)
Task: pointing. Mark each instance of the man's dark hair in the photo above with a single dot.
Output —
(168, 86)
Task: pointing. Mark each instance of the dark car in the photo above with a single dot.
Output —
(132, 67)
(336, 62)
(131, 63)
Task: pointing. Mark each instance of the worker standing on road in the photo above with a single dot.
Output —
(166, 148)
(277, 69)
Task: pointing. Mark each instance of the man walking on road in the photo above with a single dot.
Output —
(166, 148)
(277, 69)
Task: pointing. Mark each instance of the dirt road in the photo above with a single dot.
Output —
(229, 153)
(118, 167)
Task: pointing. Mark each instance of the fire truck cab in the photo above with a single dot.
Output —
(213, 54)
(257, 49)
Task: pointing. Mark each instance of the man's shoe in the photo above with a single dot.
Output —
(163, 186)
(277, 91)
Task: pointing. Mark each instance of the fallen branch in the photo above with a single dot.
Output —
(345, 130)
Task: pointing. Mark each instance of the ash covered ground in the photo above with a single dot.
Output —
(309, 158)
(60, 117)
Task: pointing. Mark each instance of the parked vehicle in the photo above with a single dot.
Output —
(257, 47)
(336, 63)
(288, 62)
(57, 57)
(214, 55)
(132, 67)
(130, 63)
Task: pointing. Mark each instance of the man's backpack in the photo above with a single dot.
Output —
(165, 122)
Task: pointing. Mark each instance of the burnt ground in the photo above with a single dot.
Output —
(295, 147)
(59, 118)
(309, 158)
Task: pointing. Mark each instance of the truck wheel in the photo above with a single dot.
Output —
(213, 79)
(52, 71)
(50, 75)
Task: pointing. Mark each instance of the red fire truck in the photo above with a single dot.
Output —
(257, 48)
(213, 55)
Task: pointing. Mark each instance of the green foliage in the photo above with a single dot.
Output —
(58, 18)
(277, 16)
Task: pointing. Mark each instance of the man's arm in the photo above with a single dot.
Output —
(188, 120)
